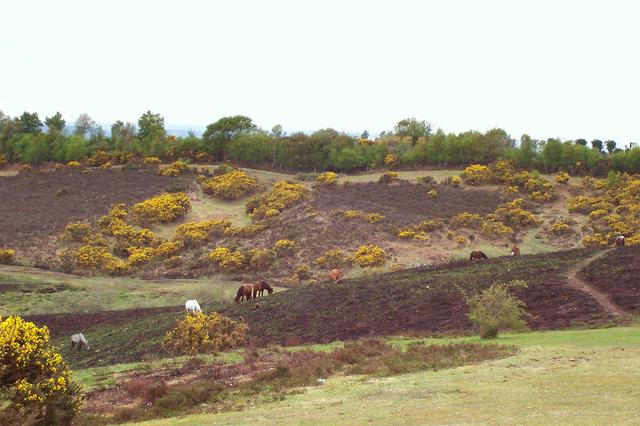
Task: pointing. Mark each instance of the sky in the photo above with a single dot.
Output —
(567, 69)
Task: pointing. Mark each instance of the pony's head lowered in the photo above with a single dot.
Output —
(267, 287)
(239, 294)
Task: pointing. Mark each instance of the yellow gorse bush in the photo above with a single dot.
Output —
(286, 247)
(77, 231)
(375, 217)
(477, 174)
(261, 259)
(389, 177)
(391, 160)
(163, 208)
(6, 256)
(140, 255)
(354, 214)
(466, 220)
(73, 164)
(371, 255)
(35, 379)
(560, 228)
(152, 161)
(200, 333)
(174, 170)
(227, 260)
(282, 196)
(432, 193)
(562, 178)
(327, 179)
(230, 186)
(193, 234)
(334, 258)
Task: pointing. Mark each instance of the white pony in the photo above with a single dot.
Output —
(79, 341)
(192, 306)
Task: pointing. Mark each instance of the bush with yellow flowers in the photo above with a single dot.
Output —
(230, 186)
(201, 157)
(6, 256)
(36, 386)
(371, 255)
(77, 231)
(226, 260)
(286, 247)
(73, 165)
(560, 228)
(466, 220)
(406, 234)
(163, 208)
(195, 234)
(432, 193)
(244, 231)
(24, 168)
(282, 196)
(201, 333)
(303, 271)
(461, 240)
(562, 178)
(389, 177)
(98, 158)
(332, 259)
(140, 255)
(353, 214)
(513, 214)
(174, 170)
(391, 161)
(153, 161)
(96, 258)
(327, 179)
(495, 229)
(261, 259)
(375, 217)
(430, 225)
(106, 166)
(3, 161)
(168, 249)
(478, 174)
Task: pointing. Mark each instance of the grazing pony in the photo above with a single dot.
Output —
(192, 306)
(515, 250)
(79, 341)
(244, 292)
(335, 275)
(477, 255)
(620, 240)
(259, 287)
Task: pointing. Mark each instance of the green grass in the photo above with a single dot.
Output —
(95, 294)
(562, 377)
(411, 175)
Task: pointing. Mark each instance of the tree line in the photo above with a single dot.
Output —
(27, 139)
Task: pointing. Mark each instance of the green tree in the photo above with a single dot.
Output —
(28, 123)
(364, 135)
(495, 309)
(597, 145)
(413, 128)
(84, 125)
(611, 146)
(150, 125)
(219, 134)
(581, 141)
(55, 123)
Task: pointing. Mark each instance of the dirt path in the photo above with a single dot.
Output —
(604, 300)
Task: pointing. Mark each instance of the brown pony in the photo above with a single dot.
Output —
(244, 292)
(259, 287)
(335, 275)
(477, 255)
(515, 250)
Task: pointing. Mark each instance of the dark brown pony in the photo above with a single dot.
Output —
(259, 287)
(244, 292)
(477, 255)
(515, 250)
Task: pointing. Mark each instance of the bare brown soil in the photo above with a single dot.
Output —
(35, 206)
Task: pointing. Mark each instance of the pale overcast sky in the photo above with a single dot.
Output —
(564, 69)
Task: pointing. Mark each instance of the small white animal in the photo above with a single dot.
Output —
(192, 306)
(79, 341)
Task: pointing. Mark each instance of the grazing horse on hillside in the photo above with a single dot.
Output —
(515, 250)
(477, 255)
(79, 341)
(259, 287)
(244, 292)
(335, 275)
(192, 306)
(620, 240)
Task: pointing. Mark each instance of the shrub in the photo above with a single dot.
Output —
(461, 240)
(332, 259)
(430, 225)
(168, 249)
(153, 161)
(560, 228)
(77, 231)
(96, 258)
(6, 256)
(174, 170)
(73, 165)
(375, 217)
(145, 388)
(303, 271)
(327, 179)
(24, 168)
(495, 229)
(140, 255)
(562, 178)
(194, 234)
(286, 247)
(389, 177)
(35, 381)
(512, 213)
(261, 259)
(230, 186)
(128, 236)
(391, 161)
(494, 309)
(227, 260)
(466, 220)
(244, 231)
(353, 214)
(406, 234)
(371, 255)
(452, 180)
(58, 167)
(163, 208)
(106, 166)
(477, 174)
(427, 180)
(283, 195)
(205, 333)
(432, 193)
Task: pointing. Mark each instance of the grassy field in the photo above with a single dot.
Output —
(559, 377)
(28, 291)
